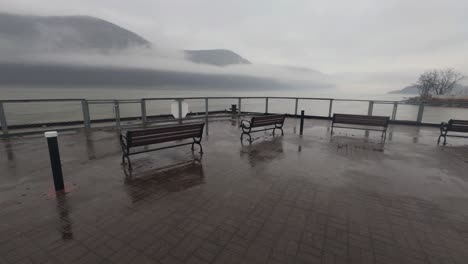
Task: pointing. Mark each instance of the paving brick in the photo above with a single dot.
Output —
(337, 201)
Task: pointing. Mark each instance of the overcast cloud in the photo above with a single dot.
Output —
(365, 44)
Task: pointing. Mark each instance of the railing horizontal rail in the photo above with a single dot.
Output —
(38, 100)
(222, 97)
(13, 117)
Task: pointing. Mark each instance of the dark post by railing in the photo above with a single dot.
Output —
(394, 112)
(143, 112)
(86, 118)
(206, 116)
(234, 109)
(55, 160)
(3, 120)
(330, 108)
(180, 110)
(117, 113)
(420, 113)
(266, 105)
(295, 107)
(240, 109)
(370, 109)
(301, 128)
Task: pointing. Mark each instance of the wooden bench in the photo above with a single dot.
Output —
(459, 126)
(160, 134)
(364, 122)
(266, 122)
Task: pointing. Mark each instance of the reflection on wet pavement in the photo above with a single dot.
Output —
(263, 151)
(176, 177)
(63, 210)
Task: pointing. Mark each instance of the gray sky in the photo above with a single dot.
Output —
(367, 42)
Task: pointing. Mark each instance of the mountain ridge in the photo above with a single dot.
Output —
(67, 33)
(75, 33)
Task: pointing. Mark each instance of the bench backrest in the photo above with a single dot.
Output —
(267, 120)
(458, 125)
(143, 137)
(364, 120)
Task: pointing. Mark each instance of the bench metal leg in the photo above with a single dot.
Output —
(129, 163)
(444, 135)
(201, 148)
(125, 155)
(384, 136)
(280, 128)
(198, 142)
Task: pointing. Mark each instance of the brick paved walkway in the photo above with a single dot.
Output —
(282, 200)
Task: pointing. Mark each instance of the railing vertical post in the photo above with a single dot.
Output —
(301, 128)
(3, 120)
(295, 107)
(240, 107)
(371, 108)
(117, 113)
(330, 108)
(394, 112)
(180, 109)
(143, 112)
(206, 115)
(266, 105)
(420, 113)
(86, 119)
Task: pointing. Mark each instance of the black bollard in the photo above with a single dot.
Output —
(55, 160)
(302, 123)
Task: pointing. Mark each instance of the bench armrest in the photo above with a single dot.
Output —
(123, 140)
(246, 124)
(444, 126)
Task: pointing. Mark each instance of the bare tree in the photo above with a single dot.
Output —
(426, 84)
(447, 80)
(437, 82)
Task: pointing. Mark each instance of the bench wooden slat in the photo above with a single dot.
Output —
(158, 139)
(361, 120)
(458, 128)
(195, 131)
(164, 129)
(458, 122)
(267, 117)
(258, 123)
(360, 116)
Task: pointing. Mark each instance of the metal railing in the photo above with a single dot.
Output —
(20, 117)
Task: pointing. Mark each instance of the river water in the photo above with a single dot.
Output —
(39, 112)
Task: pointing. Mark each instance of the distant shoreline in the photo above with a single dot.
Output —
(455, 101)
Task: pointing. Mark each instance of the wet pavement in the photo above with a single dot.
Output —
(290, 199)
